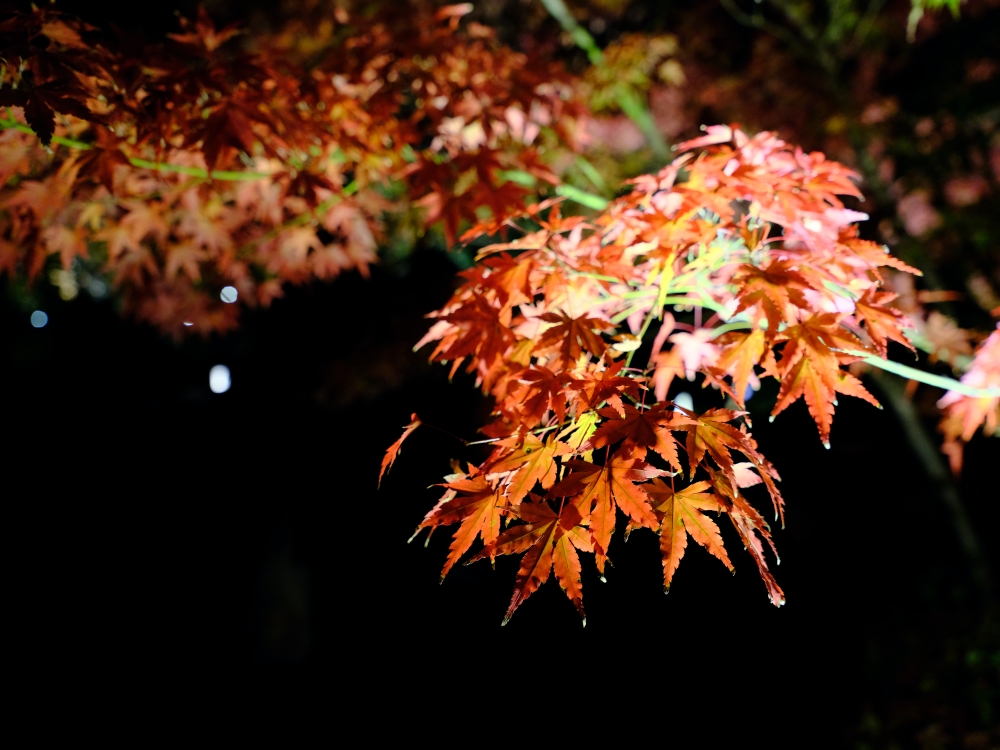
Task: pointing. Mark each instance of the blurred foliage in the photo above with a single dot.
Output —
(636, 59)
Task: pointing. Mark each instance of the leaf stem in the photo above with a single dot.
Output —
(939, 381)
(937, 472)
(653, 311)
(216, 174)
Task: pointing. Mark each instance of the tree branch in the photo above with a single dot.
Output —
(933, 464)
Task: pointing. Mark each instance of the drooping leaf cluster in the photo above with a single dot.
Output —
(750, 233)
(215, 160)
(887, 106)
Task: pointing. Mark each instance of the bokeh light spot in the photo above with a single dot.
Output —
(218, 379)
(684, 400)
(39, 319)
(229, 294)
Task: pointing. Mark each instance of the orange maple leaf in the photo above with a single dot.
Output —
(738, 358)
(532, 462)
(645, 429)
(551, 541)
(681, 516)
(600, 488)
(810, 368)
(571, 337)
(477, 509)
(881, 322)
(393, 450)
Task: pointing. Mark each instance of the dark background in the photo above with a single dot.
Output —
(242, 533)
(155, 524)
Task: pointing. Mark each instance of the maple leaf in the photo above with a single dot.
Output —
(41, 103)
(681, 516)
(510, 278)
(600, 488)
(538, 390)
(715, 134)
(439, 185)
(393, 450)
(598, 386)
(227, 125)
(771, 290)
(530, 463)
(66, 242)
(710, 433)
(741, 353)
(813, 382)
(964, 414)
(695, 350)
(477, 510)
(667, 366)
(751, 527)
(203, 35)
(881, 322)
(810, 368)
(648, 429)
(478, 327)
(104, 158)
(550, 541)
(570, 337)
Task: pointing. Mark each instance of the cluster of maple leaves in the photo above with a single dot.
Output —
(182, 168)
(753, 235)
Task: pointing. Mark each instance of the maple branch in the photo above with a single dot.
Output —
(912, 373)
(582, 197)
(735, 325)
(449, 434)
(693, 301)
(934, 465)
(957, 361)
(12, 124)
(216, 174)
(536, 431)
(574, 194)
(654, 311)
(628, 98)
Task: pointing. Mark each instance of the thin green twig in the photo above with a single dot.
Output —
(912, 373)
(217, 174)
(630, 101)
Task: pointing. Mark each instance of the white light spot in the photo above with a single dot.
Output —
(684, 400)
(97, 288)
(188, 324)
(218, 379)
(39, 319)
(229, 294)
